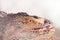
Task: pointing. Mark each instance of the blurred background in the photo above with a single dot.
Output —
(49, 9)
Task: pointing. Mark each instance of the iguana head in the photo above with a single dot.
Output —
(14, 24)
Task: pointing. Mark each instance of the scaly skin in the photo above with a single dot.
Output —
(22, 26)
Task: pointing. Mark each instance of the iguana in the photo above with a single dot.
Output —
(21, 26)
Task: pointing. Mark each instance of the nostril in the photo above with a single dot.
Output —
(47, 21)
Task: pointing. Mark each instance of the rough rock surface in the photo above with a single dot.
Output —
(22, 26)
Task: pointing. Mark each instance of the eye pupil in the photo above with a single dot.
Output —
(30, 20)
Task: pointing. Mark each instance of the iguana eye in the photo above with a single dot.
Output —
(30, 20)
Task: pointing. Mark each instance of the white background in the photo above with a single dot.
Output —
(49, 9)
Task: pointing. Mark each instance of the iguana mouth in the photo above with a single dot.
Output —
(36, 28)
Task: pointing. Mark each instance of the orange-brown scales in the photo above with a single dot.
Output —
(22, 26)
